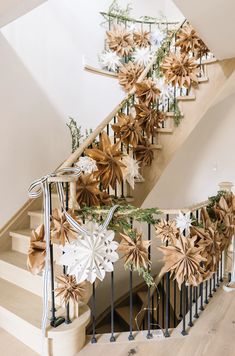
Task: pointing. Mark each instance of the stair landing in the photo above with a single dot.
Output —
(212, 334)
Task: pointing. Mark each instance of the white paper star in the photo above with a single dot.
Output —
(183, 221)
(90, 256)
(131, 171)
(165, 90)
(142, 56)
(86, 164)
(156, 38)
(110, 60)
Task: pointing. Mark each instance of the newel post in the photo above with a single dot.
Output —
(73, 204)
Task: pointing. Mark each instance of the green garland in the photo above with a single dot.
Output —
(75, 132)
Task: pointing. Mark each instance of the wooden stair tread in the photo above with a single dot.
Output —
(24, 233)
(14, 258)
(38, 213)
(165, 131)
(186, 97)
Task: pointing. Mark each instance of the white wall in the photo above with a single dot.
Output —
(43, 83)
(204, 160)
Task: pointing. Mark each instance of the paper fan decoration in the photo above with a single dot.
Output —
(86, 164)
(127, 129)
(69, 290)
(110, 60)
(131, 170)
(180, 70)
(90, 256)
(141, 38)
(149, 119)
(87, 191)
(167, 231)
(120, 40)
(144, 153)
(183, 221)
(135, 251)
(142, 56)
(108, 159)
(37, 250)
(183, 260)
(188, 40)
(61, 230)
(147, 91)
(129, 74)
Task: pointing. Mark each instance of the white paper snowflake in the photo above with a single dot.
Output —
(91, 255)
(142, 56)
(131, 171)
(110, 60)
(156, 38)
(165, 90)
(183, 221)
(86, 164)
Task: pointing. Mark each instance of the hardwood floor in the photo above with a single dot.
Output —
(213, 334)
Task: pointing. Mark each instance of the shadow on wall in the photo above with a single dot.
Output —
(205, 159)
(34, 139)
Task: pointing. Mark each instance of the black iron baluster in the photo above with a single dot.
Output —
(112, 338)
(221, 268)
(190, 306)
(174, 303)
(54, 321)
(181, 296)
(93, 312)
(131, 337)
(184, 332)
(67, 318)
(206, 291)
(149, 335)
(167, 334)
(196, 303)
(217, 276)
(210, 288)
(214, 284)
(153, 311)
(201, 296)
(163, 303)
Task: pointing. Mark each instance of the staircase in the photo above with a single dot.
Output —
(20, 298)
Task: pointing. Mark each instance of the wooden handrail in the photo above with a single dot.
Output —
(77, 153)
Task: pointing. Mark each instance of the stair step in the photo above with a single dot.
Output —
(36, 218)
(21, 313)
(21, 241)
(165, 131)
(203, 80)
(124, 314)
(209, 61)
(13, 268)
(186, 97)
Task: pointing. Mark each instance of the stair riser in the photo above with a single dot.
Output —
(22, 278)
(21, 329)
(21, 244)
(35, 220)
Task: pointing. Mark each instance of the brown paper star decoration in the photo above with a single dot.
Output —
(147, 91)
(167, 230)
(225, 216)
(105, 198)
(149, 119)
(127, 129)
(108, 159)
(120, 41)
(61, 230)
(144, 153)
(87, 190)
(129, 74)
(37, 251)
(135, 251)
(180, 70)
(183, 260)
(211, 248)
(141, 38)
(69, 290)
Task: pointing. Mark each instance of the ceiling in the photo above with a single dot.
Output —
(214, 20)
(10, 10)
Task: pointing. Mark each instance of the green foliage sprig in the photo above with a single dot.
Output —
(123, 217)
(174, 106)
(75, 132)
